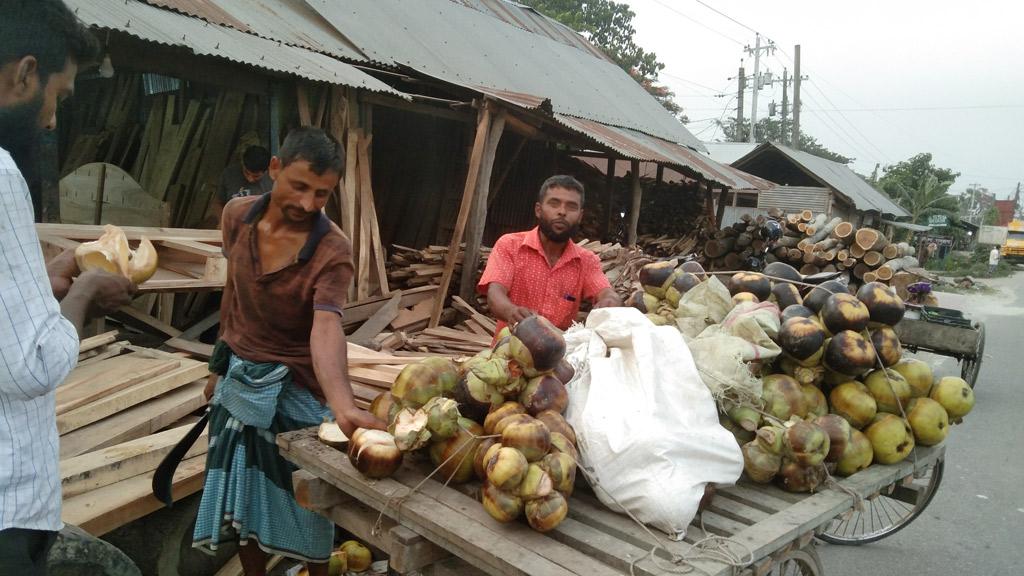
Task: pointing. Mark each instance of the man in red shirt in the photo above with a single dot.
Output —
(542, 271)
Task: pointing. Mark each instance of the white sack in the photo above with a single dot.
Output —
(647, 425)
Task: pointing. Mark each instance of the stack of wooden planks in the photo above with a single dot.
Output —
(189, 259)
(124, 408)
(177, 153)
(118, 413)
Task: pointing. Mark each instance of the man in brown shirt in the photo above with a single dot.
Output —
(289, 268)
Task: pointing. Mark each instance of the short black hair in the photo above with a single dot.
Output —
(256, 159)
(46, 29)
(561, 181)
(323, 152)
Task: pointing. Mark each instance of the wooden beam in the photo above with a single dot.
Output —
(368, 210)
(634, 212)
(475, 162)
(478, 220)
(418, 108)
(148, 321)
(379, 321)
(103, 467)
(609, 184)
(720, 212)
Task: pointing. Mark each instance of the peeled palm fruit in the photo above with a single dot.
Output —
(111, 252)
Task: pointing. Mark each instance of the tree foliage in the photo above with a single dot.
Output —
(772, 130)
(609, 26)
(929, 197)
(912, 174)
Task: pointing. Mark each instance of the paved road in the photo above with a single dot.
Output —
(975, 524)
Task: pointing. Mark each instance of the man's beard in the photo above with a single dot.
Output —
(20, 135)
(558, 237)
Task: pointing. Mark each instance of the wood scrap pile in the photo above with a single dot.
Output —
(118, 413)
(409, 268)
(815, 243)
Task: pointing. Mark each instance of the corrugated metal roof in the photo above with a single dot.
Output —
(640, 146)
(528, 19)
(795, 198)
(208, 39)
(728, 152)
(908, 226)
(838, 176)
(292, 22)
(446, 39)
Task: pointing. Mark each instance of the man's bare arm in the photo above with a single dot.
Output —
(503, 307)
(330, 362)
(607, 298)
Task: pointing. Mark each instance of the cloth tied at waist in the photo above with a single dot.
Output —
(249, 390)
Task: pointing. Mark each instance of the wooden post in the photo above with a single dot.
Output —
(101, 186)
(634, 212)
(475, 160)
(500, 182)
(609, 184)
(351, 189)
(478, 219)
(720, 212)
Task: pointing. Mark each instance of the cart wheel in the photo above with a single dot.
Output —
(886, 514)
(970, 367)
(804, 562)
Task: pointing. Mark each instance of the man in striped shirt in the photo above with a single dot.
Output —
(41, 43)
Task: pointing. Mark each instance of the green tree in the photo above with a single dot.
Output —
(771, 130)
(609, 26)
(912, 174)
(930, 197)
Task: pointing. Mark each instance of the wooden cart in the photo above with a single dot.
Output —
(946, 332)
(444, 530)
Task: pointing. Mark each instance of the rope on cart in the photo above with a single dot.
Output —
(712, 547)
(397, 501)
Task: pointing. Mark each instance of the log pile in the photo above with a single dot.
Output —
(814, 243)
(732, 246)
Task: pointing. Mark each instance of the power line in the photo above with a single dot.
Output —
(699, 23)
(852, 125)
(681, 79)
(716, 11)
(849, 140)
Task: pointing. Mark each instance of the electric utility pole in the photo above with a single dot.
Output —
(756, 51)
(785, 105)
(795, 141)
(742, 79)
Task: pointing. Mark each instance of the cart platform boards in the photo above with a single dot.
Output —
(444, 530)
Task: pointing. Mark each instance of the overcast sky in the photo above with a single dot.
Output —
(908, 76)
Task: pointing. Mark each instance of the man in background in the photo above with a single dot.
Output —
(249, 178)
(41, 46)
(542, 271)
(993, 260)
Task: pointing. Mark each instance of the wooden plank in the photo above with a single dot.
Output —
(110, 507)
(193, 247)
(234, 566)
(753, 498)
(380, 320)
(197, 349)
(368, 208)
(362, 310)
(96, 341)
(410, 317)
(135, 422)
(478, 215)
(148, 321)
(481, 541)
(406, 549)
(468, 193)
(88, 232)
(462, 306)
(189, 371)
(103, 467)
(101, 354)
(108, 381)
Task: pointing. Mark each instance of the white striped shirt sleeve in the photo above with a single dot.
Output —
(38, 346)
